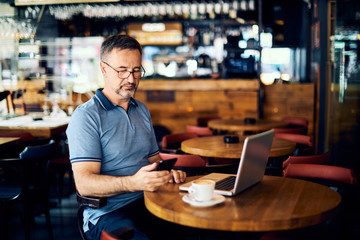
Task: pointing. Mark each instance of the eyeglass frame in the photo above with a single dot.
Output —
(142, 70)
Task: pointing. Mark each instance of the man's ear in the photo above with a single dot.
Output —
(102, 67)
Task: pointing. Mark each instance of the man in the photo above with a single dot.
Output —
(113, 149)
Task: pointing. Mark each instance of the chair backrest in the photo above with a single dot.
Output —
(191, 164)
(297, 121)
(202, 121)
(185, 160)
(173, 141)
(32, 107)
(298, 138)
(292, 130)
(4, 95)
(319, 171)
(312, 159)
(304, 143)
(15, 95)
(38, 152)
(37, 160)
(200, 131)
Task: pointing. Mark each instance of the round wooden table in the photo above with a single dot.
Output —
(8, 140)
(276, 203)
(214, 146)
(239, 126)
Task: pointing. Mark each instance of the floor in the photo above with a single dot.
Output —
(63, 219)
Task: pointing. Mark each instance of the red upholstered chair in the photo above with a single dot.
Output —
(296, 121)
(312, 159)
(191, 164)
(297, 125)
(119, 234)
(319, 171)
(200, 131)
(202, 121)
(292, 130)
(309, 233)
(304, 143)
(171, 143)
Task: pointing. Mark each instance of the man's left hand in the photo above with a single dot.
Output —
(178, 176)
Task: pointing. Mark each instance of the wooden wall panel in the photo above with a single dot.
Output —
(193, 99)
(296, 100)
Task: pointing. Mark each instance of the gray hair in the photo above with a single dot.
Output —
(119, 41)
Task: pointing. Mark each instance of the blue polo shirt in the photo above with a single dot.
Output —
(101, 131)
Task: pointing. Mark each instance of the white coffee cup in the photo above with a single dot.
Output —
(202, 190)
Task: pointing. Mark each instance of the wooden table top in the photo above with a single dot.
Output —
(276, 203)
(236, 125)
(7, 140)
(214, 146)
(48, 127)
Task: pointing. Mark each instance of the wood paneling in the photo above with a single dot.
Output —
(295, 100)
(200, 98)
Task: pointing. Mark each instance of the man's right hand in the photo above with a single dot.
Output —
(147, 179)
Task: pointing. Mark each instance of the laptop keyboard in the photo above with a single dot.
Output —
(226, 183)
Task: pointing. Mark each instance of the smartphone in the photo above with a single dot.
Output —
(166, 164)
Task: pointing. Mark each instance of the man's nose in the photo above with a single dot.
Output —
(131, 77)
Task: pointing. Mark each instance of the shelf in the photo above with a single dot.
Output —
(56, 58)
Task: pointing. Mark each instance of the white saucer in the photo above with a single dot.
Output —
(216, 200)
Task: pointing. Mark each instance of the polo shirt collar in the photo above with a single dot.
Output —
(105, 103)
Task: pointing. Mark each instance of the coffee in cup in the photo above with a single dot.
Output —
(202, 190)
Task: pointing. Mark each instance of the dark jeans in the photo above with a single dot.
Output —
(145, 225)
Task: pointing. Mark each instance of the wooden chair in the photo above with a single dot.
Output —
(16, 94)
(304, 143)
(30, 190)
(171, 143)
(5, 95)
(312, 159)
(122, 233)
(191, 164)
(200, 131)
(60, 165)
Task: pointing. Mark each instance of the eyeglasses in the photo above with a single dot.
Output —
(123, 74)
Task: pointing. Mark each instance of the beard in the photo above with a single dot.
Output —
(127, 93)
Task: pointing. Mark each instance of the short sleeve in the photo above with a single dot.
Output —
(83, 137)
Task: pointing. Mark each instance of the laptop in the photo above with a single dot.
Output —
(251, 168)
